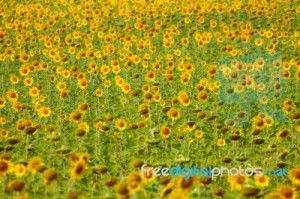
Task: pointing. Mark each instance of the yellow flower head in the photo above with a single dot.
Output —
(19, 170)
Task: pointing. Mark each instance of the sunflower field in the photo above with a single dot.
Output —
(91, 91)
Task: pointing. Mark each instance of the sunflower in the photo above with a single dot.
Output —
(71, 50)
(35, 164)
(121, 124)
(156, 97)
(238, 88)
(15, 185)
(134, 187)
(5, 167)
(24, 57)
(79, 75)
(297, 128)
(126, 88)
(173, 114)
(2, 102)
(37, 106)
(177, 52)
(145, 88)
(63, 95)
(41, 98)
(44, 112)
(167, 190)
(261, 87)
(100, 125)
(34, 91)
(203, 96)
(9, 52)
(3, 133)
(150, 76)
(268, 121)
(2, 120)
(286, 74)
(137, 163)
(49, 176)
(61, 86)
(77, 157)
(287, 192)
(82, 129)
(17, 106)
(148, 96)
(76, 116)
(182, 184)
(211, 70)
(107, 84)
(82, 83)
(108, 117)
(262, 180)
(258, 41)
(185, 78)
(78, 170)
(12, 95)
(59, 70)
(116, 69)
(250, 83)
(83, 108)
(183, 98)
(14, 79)
(185, 42)
(294, 176)
(123, 100)
(155, 88)
(122, 190)
(186, 101)
(155, 66)
(19, 170)
(119, 80)
(28, 81)
(274, 195)
(98, 92)
(287, 108)
(142, 124)
(165, 131)
(134, 181)
(198, 134)
(92, 66)
(221, 142)
(148, 175)
(283, 134)
(237, 181)
(105, 69)
(257, 123)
